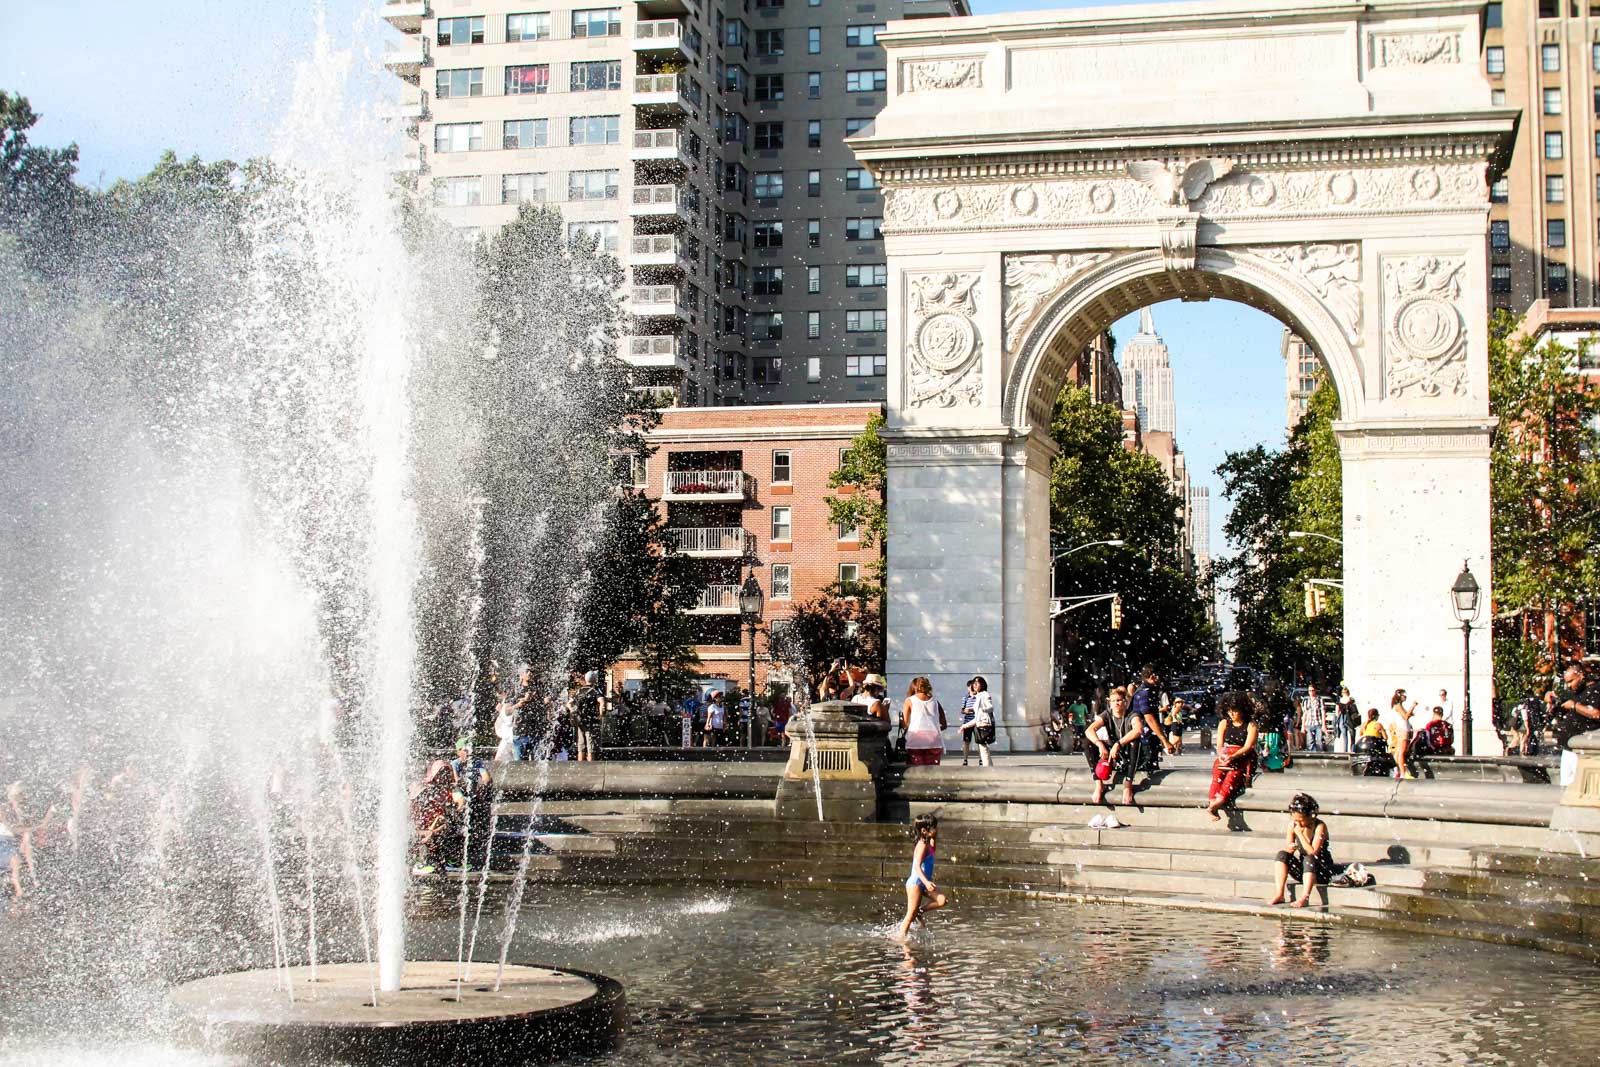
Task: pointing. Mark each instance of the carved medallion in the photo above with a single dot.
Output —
(1425, 182)
(1101, 198)
(944, 364)
(1425, 351)
(947, 203)
(1024, 201)
(1342, 187)
(1261, 190)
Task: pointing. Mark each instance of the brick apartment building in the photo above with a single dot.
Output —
(744, 490)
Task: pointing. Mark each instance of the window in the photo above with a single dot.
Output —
(1550, 57)
(766, 281)
(849, 573)
(1497, 97)
(532, 27)
(813, 133)
(768, 370)
(769, 3)
(862, 229)
(526, 133)
(782, 584)
(733, 227)
(1594, 57)
(1500, 278)
(1552, 145)
(769, 42)
(1500, 235)
(525, 80)
(461, 31)
(813, 233)
(769, 184)
(523, 188)
(865, 366)
(814, 40)
(859, 178)
(458, 137)
(866, 275)
(1591, 627)
(813, 183)
(863, 36)
(855, 126)
(458, 192)
(766, 234)
(769, 87)
(452, 83)
(813, 329)
(736, 35)
(1493, 17)
(848, 533)
(1494, 60)
(592, 185)
(866, 81)
(596, 75)
(594, 129)
(873, 320)
(1500, 191)
(1555, 188)
(597, 22)
(1555, 280)
(814, 86)
(1552, 101)
(813, 368)
(782, 466)
(813, 279)
(766, 326)
(1555, 233)
(769, 135)
(603, 234)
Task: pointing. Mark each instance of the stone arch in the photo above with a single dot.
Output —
(1089, 301)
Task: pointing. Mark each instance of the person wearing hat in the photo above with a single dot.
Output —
(977, 721)
(871, 697)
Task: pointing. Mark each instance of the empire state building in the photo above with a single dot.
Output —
(1147, 379)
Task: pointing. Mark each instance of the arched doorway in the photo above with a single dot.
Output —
(1041, 180)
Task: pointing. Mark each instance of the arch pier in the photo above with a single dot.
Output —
(1045, 175)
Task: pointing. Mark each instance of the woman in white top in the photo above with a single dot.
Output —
(980, 731)
(505, 728)
(1397, 724)
(923, 721)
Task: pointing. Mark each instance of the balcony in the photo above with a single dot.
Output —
(663, 36)
(717, 600)
(656, 200)
(407, 58)
(727, 542)
(662, 250)
(665, 92)
(706, 487)
(413, 111)
(405, 15)
(659, 301)
(661, 9)
(669, 145)
(658, 350)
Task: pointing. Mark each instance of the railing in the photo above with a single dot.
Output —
(642, 295)
(656, 139)
(719, 598)
(655, 196)
(663, 31)
(654, 345)
(665, 245)
(708, 483)
(729, 540)
(655, 83)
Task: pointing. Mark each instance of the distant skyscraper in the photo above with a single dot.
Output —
(1147, 379)
(1200, 525)
(1300, 374)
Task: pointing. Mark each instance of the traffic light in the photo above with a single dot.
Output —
(1322, 600)
(1116, 612)
(1316, 600)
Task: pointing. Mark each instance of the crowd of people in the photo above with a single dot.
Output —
(53, 830)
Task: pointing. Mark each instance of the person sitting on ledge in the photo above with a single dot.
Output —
(1236, 754)
(1307, 855)
(1438, 738)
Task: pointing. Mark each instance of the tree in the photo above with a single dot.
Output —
(1544, 478)
(826, 628)
(863, 471)
(38, 194)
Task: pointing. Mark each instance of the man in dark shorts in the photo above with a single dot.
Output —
(1576, 712)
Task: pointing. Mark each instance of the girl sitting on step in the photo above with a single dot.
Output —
(921, 892)
(1236, 753)
(1307, 855)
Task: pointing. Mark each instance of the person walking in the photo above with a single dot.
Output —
(1347, 719)
(977, 723)
(922, 894)
(716, 720)
(588, 708)
(505, 728)
(1311, 724)
(1235, 765)
(1306, 854)
(923, 723)
(1078, 721)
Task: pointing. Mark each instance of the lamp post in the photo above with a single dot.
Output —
(750, 601)
(1464, 598)
(1114, 542)
(1296, 535)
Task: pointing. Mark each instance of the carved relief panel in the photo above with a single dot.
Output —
(1424, 334)
(943, 343)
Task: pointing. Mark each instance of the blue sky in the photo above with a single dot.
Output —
(219, 93)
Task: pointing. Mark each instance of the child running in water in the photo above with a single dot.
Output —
(920, 891)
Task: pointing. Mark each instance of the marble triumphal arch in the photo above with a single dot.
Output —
(1045, 174)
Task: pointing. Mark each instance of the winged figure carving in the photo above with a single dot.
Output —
(1180, 183)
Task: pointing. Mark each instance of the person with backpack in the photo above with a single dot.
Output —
(1347, 720)
(587, 706)
(1438, 738)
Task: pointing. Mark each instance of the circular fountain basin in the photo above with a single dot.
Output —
(537, 1013)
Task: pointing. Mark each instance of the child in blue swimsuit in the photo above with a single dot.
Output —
(920, 890)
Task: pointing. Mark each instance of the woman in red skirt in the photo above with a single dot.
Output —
(1236, 753)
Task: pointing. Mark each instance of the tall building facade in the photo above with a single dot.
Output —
(703, 144)
(1301, 373)
(1147, 379)
(1200, 526)
(1543, 56)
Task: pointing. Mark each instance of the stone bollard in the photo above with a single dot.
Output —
(851, 752)
(1576, 820)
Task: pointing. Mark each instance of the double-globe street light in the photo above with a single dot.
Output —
(1113, 542)
(1465, 598)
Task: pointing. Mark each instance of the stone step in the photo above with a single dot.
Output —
(1544, 888)
(1530, 862)
(1561, 920)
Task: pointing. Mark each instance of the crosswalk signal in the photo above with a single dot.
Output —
(1116, 612)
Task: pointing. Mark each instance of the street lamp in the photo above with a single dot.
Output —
(1113, 542)
(1296, 535)
(750, 601)
(1464, 597)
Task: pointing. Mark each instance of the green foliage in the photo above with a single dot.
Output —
(1519, 668)
(1544, 477)
(38, 195)
(864, 466)
(1100, 490)
(1275, 491)
(828, 628)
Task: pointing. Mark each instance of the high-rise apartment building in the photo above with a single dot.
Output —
(1200, 526)
(1543, 56)
(1301, 373)
(1147, 379)
(700, 142)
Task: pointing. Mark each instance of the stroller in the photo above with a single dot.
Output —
(1371, 758)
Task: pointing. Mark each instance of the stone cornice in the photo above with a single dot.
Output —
(1465, 437)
